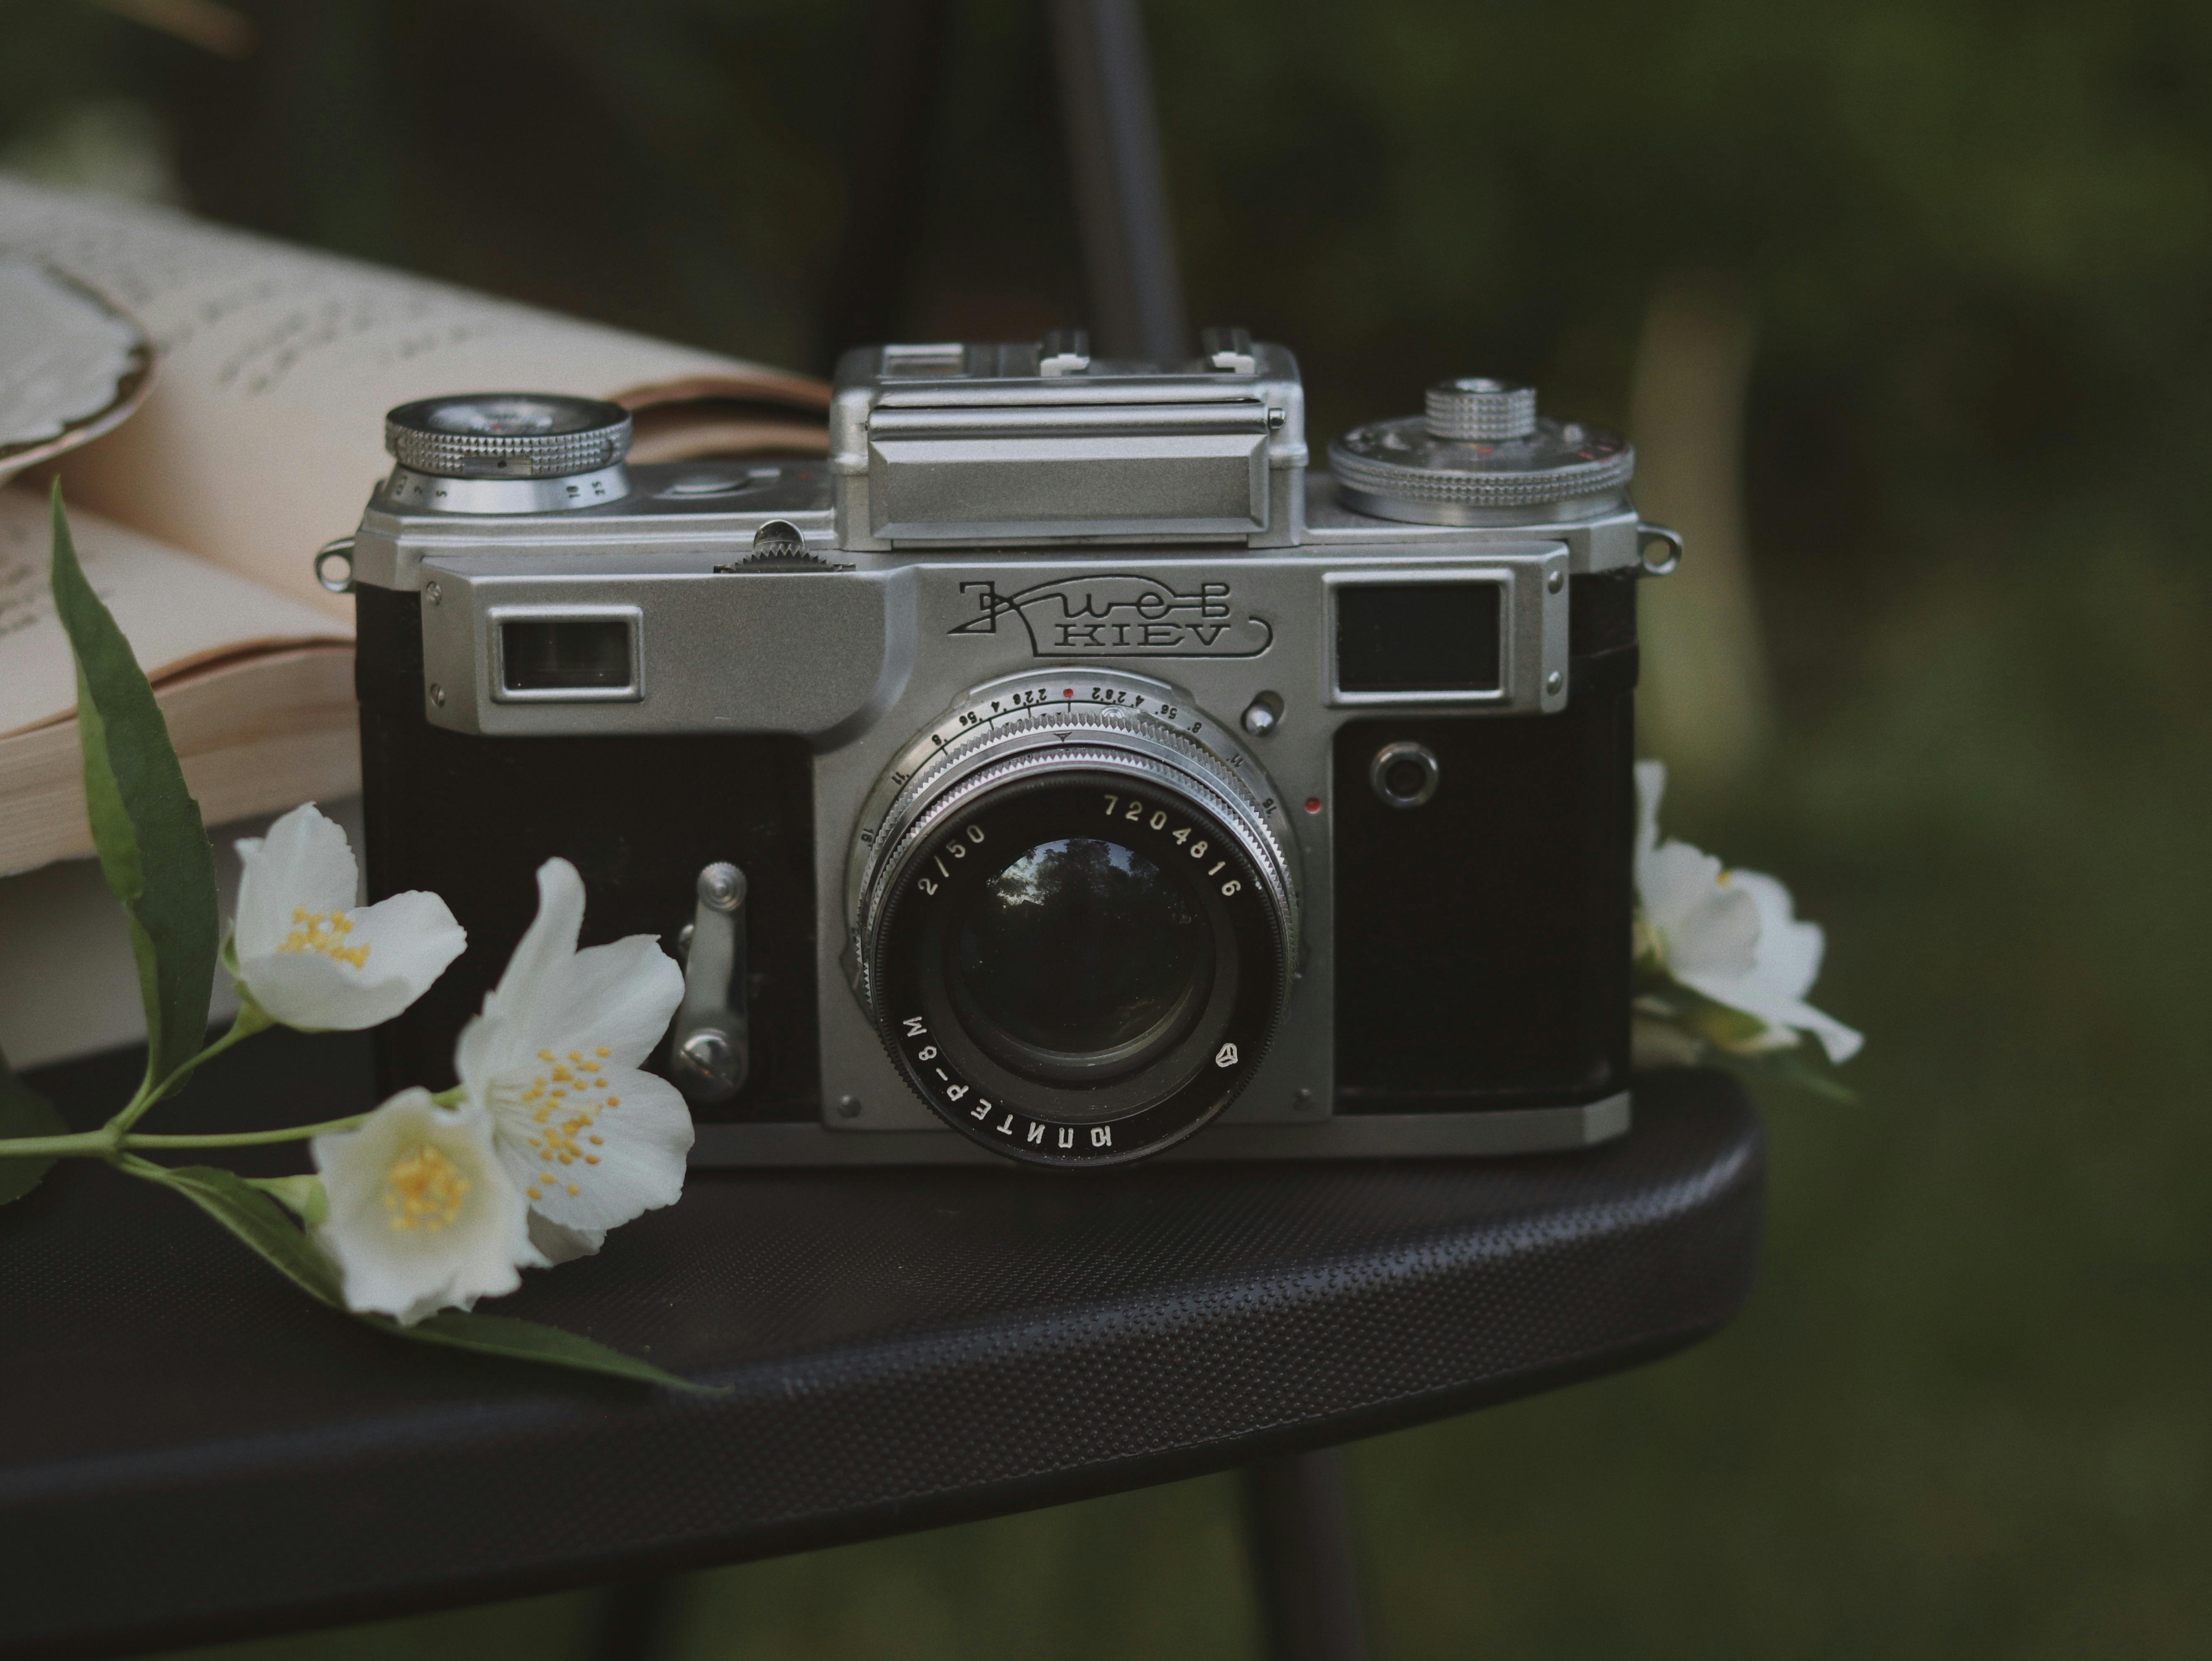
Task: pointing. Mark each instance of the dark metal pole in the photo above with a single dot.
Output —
(1121, 192)
(636, 1621)
(886, 171)
(1299, 1521)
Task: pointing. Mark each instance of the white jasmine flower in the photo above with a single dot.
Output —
(553, 1060)
(420, 1216)
(312, 958)
(1731, 936)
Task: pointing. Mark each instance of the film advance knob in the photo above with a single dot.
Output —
(508, 435)
(1476, 407)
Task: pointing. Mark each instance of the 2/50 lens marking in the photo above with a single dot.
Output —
(958, 849)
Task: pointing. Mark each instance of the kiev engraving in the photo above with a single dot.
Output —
(1121, 614)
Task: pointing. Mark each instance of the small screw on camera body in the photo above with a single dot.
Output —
(722, 886)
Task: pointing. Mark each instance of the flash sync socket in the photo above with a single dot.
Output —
(1405, 774)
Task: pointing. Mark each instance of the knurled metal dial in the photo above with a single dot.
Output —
(1477, 407)
(1478, 448)
(508, 435)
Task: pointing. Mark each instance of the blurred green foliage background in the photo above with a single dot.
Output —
(1967, 1412)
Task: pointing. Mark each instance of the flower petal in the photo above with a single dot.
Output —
(497, 1041)
(556, 1245)
(629, 1159)
(317, 994)
(405, 943)
(1704, 925)
(466, 1238)
(1731, 936)
(1841, 1042)
(304, 862)
(620, 995)
(413, 934)
(1788, 962)
(1790, 950)
(1650, 786)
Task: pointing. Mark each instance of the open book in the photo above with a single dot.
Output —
(259, 442)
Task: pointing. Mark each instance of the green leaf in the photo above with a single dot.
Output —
(145, 823)
(1792, 1068)
(23, 1112)
(254, 1218)
(303, 1196)
(531, 1341)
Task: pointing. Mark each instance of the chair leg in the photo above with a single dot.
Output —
(1299, 1520)
(635, 1621)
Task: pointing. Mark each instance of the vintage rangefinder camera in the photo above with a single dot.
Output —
(1063, 768)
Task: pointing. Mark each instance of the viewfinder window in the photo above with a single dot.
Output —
(1418, 637)
(567, 654)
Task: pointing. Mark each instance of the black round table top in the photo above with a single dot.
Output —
(189, 1450)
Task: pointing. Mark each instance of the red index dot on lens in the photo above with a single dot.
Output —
(1313, 804)
(1069, 693)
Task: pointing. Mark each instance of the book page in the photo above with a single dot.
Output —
(263, 433)
(179, 614)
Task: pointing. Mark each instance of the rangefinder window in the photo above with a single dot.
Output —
(1418, 637)
(567, 658)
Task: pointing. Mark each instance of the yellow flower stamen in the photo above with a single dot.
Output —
(324, 932)
(423, 1190)
(562, 1108)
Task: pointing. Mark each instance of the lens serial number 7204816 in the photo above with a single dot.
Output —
(1135, 810)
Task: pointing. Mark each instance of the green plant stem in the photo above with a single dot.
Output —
(247, 1138)
(97, 1143)
(107, 1141)
(252, 1018)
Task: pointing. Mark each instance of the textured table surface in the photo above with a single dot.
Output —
(189, 1450)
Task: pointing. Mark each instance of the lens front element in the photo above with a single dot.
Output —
(1074, 917)
(1078, 958)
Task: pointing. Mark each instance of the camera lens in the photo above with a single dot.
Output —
(1082, 958)
(1073, 916)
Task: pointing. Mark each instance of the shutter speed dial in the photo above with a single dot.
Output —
(507, 453)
